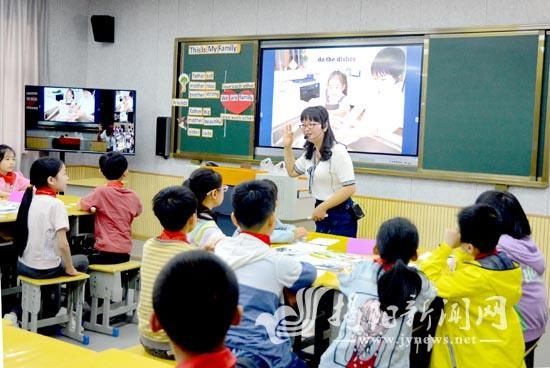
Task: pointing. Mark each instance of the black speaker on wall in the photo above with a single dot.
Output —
(164, 127)
(103, 27)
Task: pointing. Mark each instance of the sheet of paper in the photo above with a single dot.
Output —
(324, 241)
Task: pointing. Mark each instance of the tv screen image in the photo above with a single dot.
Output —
(372, 94)
(124, 101)
(69, 104)
(79, 119)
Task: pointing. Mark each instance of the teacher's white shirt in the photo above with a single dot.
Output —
(327, 177)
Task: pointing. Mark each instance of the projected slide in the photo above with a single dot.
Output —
(372, 94)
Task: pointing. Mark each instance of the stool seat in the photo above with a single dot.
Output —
(53, 281)
(114, 268)
(31, 300)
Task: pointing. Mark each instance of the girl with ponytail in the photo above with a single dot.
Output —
(41, 231)
(42, 224)
(207, 186)
(383, 296)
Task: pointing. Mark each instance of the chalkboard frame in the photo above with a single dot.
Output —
(536, 124)
(179, 63)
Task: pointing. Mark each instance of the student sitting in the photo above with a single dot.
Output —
(516, 242)
(115, 209)
(10, 180)
(382, 298)
(197, 329)
(262, 273)
(175, 207)
(207, 186)
(43, 248)
(282, 233)
(480, 327)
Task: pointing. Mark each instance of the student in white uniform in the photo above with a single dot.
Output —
(41, 231)
(330, 170)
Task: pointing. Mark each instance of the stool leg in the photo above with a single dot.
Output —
(30, 303)
(75, 301)
(106, 313)
(79, 305)
(25, 320)
(34, 322)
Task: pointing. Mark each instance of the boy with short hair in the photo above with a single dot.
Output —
(115, 209)
(176, 209)
(262, 273)
(480, 327)
(197, 329)
(282, 233)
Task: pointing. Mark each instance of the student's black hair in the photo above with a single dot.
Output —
(253, 203)
(320, 115)
(273, 187)
(389, 61)
(480, 225)
(200, 323)
(173, 206)
(4, 149)
(201, 182)
(514, 220)
(41, 170)
(342, 78)
(113, 165)
(397, 242)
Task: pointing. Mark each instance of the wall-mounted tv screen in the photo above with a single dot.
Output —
(80, 119)
(371, 90)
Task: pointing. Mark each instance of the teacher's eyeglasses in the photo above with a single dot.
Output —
(308, 125)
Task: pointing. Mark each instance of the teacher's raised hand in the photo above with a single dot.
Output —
(288, 137)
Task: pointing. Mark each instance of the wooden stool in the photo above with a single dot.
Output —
(31, 298)
(105, 284)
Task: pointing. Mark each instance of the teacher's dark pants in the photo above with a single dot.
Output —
(340, 220)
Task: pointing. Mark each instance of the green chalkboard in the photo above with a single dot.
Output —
(483, 104)
(215, 88)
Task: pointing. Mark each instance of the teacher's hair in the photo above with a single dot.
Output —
(319, 114)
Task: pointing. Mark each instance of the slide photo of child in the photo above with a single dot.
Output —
(363, 87)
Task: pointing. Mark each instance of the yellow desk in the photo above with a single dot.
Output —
(340, 247)
(114, 358)
(82, 187)
(71, 204)
(28, 349)
(7, 221)
(325, 278)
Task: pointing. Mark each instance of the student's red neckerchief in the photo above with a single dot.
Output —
(115, 184)
(46, 191)
(265, 238)
(483, 255)
(173, 235)
(9, 178)
(386, 266)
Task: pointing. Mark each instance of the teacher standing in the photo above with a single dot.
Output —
(330, 170)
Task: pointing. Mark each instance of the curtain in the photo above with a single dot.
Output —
(22, 60)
